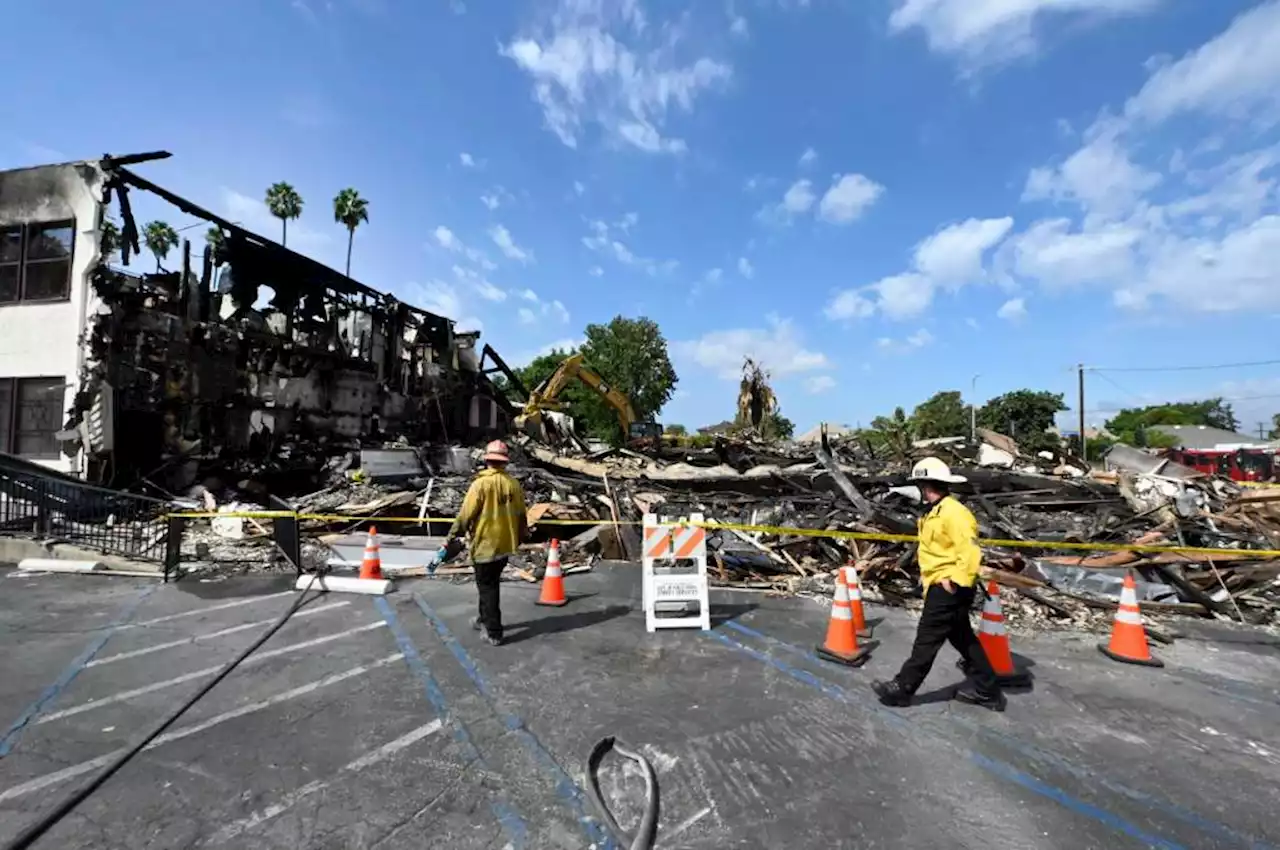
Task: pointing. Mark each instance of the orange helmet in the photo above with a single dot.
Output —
(496, 451)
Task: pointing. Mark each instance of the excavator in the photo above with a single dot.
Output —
(544, 400)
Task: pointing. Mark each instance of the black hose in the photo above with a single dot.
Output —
(34, 832)
(648, 832)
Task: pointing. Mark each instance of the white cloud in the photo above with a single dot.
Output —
(808, 157)
(437, 297)
(745, 268)
(1099, 176)
(559, 311)
(739, 27)
(579, 188)
(902, 296)
(554, 309)
(528, 295)
(446, 239)
(480, 284)
(467, 160)
(1233, 75)
(449, 240)
(819, 384)
(799, 198)
(778, 347)
(598, 62)
(914, 342)
(490, 201)
(984, 32)
(1055, 254)
(595, 271)
(1013, 310)
(849, 196)
(502, 238)
(713, 275)
(602, 240)
(526, 316)
(849, 304)
(955, 254)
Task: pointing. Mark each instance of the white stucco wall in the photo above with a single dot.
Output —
(42, 340)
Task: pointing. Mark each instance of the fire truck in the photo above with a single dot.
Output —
(1236, 464)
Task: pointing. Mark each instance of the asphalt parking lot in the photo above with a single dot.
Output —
(369, 723)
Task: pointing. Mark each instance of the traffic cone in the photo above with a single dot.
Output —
(855, 602)
(841, 645)
(371, 566)
(553, 581)
(995, 642)
(1128, 637)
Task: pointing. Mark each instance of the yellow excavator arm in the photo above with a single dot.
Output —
(546, 396)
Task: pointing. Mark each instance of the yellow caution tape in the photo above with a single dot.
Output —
(1258, 554)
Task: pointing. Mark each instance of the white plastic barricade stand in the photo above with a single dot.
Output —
(675, 572)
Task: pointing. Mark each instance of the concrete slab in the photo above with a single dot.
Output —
(387, 723)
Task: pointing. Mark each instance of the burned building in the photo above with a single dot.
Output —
(250, 360)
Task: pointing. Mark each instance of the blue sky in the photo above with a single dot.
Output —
(878, 198)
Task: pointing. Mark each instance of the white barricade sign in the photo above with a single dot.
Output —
(675, 573)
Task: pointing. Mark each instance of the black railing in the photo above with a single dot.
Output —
(51, 506)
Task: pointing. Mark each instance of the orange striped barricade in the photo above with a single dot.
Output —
(675, 573)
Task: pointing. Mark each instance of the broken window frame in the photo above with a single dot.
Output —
(25, 261)
(12, 435)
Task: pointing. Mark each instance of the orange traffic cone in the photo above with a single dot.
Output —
(1128, 637)
(371, 566)
(855, 602)
(841, 645)
(995, 642)
(553, 581)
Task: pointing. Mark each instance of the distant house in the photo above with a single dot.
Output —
(1205, 439)
(814, 434)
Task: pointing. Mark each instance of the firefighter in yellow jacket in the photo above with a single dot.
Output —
(493, 513)
(949, 561)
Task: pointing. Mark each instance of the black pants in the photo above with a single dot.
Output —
(488, 580)
(946, 618)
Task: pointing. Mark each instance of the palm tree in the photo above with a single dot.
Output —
(350, 209)
(215, 241)
(160, 239)
(285, 203)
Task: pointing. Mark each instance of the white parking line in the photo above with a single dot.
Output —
(236, 828)
(192, 613)
(186, 731)
(121, 656)
(200, 674)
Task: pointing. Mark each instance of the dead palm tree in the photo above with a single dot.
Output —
(285, 203)
(160, 239)
(349, 209)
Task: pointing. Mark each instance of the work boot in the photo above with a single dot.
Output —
(490, 639)
(970, 694)
(891, 693)
(964, 666)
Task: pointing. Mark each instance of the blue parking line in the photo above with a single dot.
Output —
(1031, 751)
(51, 693)
(566, 789)
(512, 823)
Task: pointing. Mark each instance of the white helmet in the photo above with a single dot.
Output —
(932, 469)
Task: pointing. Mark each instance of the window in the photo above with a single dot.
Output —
(35, 261)
(31, 416)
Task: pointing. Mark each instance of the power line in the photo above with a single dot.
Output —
(1226, 398)
(1203, 368)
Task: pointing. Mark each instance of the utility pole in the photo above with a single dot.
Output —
(1084, 444)
(1262, 430)
(973, 409)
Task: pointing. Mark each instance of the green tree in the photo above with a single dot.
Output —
(1275, 427)
(216, 242)
(1133, 425)
(285, 203)
(160, 239)
(1026, 416)
(349, 210)
(675, 430)
(778, 427)
(631, 355)
(890, 434)
(943, 415)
